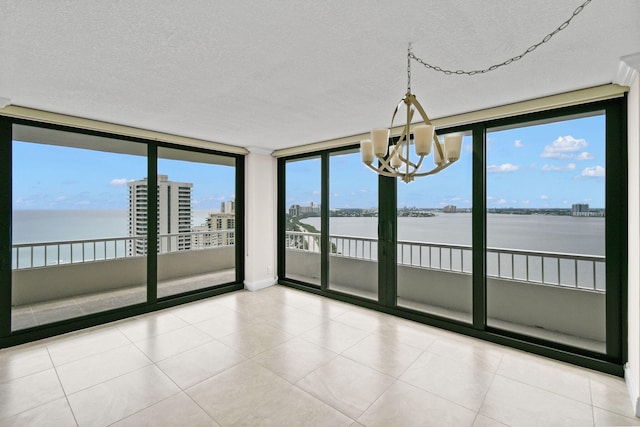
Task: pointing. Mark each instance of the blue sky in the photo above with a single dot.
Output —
(550, 165)
(54, 177)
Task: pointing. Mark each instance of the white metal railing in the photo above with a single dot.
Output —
(45, 254)
(549, 268)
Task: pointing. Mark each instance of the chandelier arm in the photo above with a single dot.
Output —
(380, 171)
(436, 169)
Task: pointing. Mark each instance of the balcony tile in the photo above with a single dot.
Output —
(200, 363)
(405, 405)
(294, 359)
(383, 354)
(346, 385)
(514, 403)
(176, 410)
(464, 384)
(120, 397)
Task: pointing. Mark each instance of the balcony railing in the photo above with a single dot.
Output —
(45, 254)
(537, 267)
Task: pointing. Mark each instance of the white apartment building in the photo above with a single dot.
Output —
(174, 215)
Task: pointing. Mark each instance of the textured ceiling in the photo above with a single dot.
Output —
(283, 73)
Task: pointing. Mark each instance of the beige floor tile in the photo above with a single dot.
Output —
(200, 363)
(546, 374)
(29, 392)
(611, 393)
(482, 421)
(405, 405)
(293, 407)
(326, 308)
(410, 333)
(367, 320)
(92, 370)
(253, 339)
(229, 396)
(346, 385)
(292, 320)
(605, 418)
(120, 397)
(468, 351)
(294, 359)
(18, 362)
(171, 343)
(177, 410)
(75, 347)
(225, 324)
(52, 414)
(200, 311)
(150, 326)
(383, 354)
(517, 404)
(334, 336)
(463, 384)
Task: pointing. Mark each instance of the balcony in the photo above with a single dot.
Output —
(527, 291)
(54, 281)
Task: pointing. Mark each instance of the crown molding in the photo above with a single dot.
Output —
(259, 150)
(628, 68)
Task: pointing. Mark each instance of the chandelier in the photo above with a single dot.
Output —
(395, 158)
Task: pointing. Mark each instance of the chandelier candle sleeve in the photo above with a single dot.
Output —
(453, 143)
(366, 149)
(436, 154)
(380, 139)
(422, 137)
(395, 159)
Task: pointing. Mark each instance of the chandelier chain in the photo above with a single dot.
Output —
(530, 49)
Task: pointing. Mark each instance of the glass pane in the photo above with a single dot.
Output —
(434, 240)
(196, 220)
(302, 199)
(72, 249)
(353, 226)
(546, 230)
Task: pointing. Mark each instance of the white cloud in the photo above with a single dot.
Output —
(544, 197)
(594, 172)
(585, 156)
(525, 202)
(564, 147)
(501, 201)
(505, 167)
(552, 168)
(117, 182)
(518, 144)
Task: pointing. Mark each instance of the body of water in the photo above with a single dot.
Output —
(563, 234)
(35, 226)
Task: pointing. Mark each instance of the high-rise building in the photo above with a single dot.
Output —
(580, 209)
(174, 215)
(224, 224)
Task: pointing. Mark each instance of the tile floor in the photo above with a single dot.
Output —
(283, 357)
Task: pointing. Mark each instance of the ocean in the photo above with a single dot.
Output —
(565, 234)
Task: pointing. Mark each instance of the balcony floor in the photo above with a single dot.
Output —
(27, 316)
(285, 357)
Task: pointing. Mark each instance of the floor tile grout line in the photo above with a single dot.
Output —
(66, 396)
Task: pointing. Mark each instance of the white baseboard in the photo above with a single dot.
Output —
(260, 284)
(633, 391)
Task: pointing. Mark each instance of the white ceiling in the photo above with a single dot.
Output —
(282, 73)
